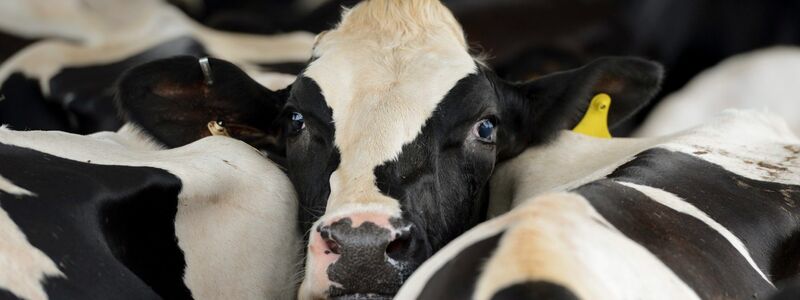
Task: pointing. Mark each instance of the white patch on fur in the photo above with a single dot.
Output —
(9, 187)
(762, 79)
(101, 35)
(751, 144)
(24, 267)
(236, 220)
(676, 203)
(757, 146)
(572, 160)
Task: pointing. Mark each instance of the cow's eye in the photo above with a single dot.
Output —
(484, 131)
(296, 123)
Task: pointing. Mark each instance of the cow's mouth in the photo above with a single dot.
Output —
(363, 297)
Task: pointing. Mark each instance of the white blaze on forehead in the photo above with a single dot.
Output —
(383, 71)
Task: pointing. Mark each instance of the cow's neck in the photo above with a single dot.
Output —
(572, 159)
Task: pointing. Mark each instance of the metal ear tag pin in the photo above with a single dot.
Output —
(205, 66)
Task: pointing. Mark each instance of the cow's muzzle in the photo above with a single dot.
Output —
(364, 255)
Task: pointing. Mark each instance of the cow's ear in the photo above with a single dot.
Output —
(177, 102)
(535, 111)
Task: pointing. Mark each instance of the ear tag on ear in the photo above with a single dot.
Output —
(595, 121)
(216, 129)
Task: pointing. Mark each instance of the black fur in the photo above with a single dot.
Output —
(176, 105)
(535, 290)
(362, 266)
(109, 229)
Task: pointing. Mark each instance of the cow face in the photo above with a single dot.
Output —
(390, 135)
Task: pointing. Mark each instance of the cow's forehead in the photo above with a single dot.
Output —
(383, 71)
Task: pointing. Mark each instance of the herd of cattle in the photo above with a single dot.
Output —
(149, 156)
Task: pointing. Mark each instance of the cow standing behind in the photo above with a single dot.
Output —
(112, 215)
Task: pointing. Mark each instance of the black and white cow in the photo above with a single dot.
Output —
(66, 80)
(708, 213)
(390, 134)
(112, 216)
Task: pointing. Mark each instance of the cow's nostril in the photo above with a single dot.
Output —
(397, 248)
(333, 247)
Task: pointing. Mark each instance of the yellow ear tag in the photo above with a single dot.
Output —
(595, 121)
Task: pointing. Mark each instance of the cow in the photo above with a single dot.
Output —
(712, 212)
(67, 78)
(390, 134)
(763, 79)
(113, 215)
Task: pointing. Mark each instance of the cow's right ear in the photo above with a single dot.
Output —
(177, 102)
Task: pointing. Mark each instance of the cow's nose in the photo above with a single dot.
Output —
(366, 253)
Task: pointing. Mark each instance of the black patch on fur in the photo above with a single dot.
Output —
(10, 44)
(458, 277)
(293, 68)
(109, 229)
(87, 92)
(24, 107)
(535, 290)
(441, 178)
(763, 215)
(312, 155)
(363, 266)
(7, 295)
(535, 111)
(695, 252)
(789, 290)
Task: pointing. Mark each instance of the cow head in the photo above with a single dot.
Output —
(390, 135)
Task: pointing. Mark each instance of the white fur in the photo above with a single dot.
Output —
(676, 203)
(236, 219)
(10, 188)
(762, 79)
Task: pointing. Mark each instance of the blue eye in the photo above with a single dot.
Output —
(485, 131)
(297, 123)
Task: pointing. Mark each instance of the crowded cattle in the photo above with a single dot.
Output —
(708, 213)
(68, 77)
(112, 215)
(389, 146)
